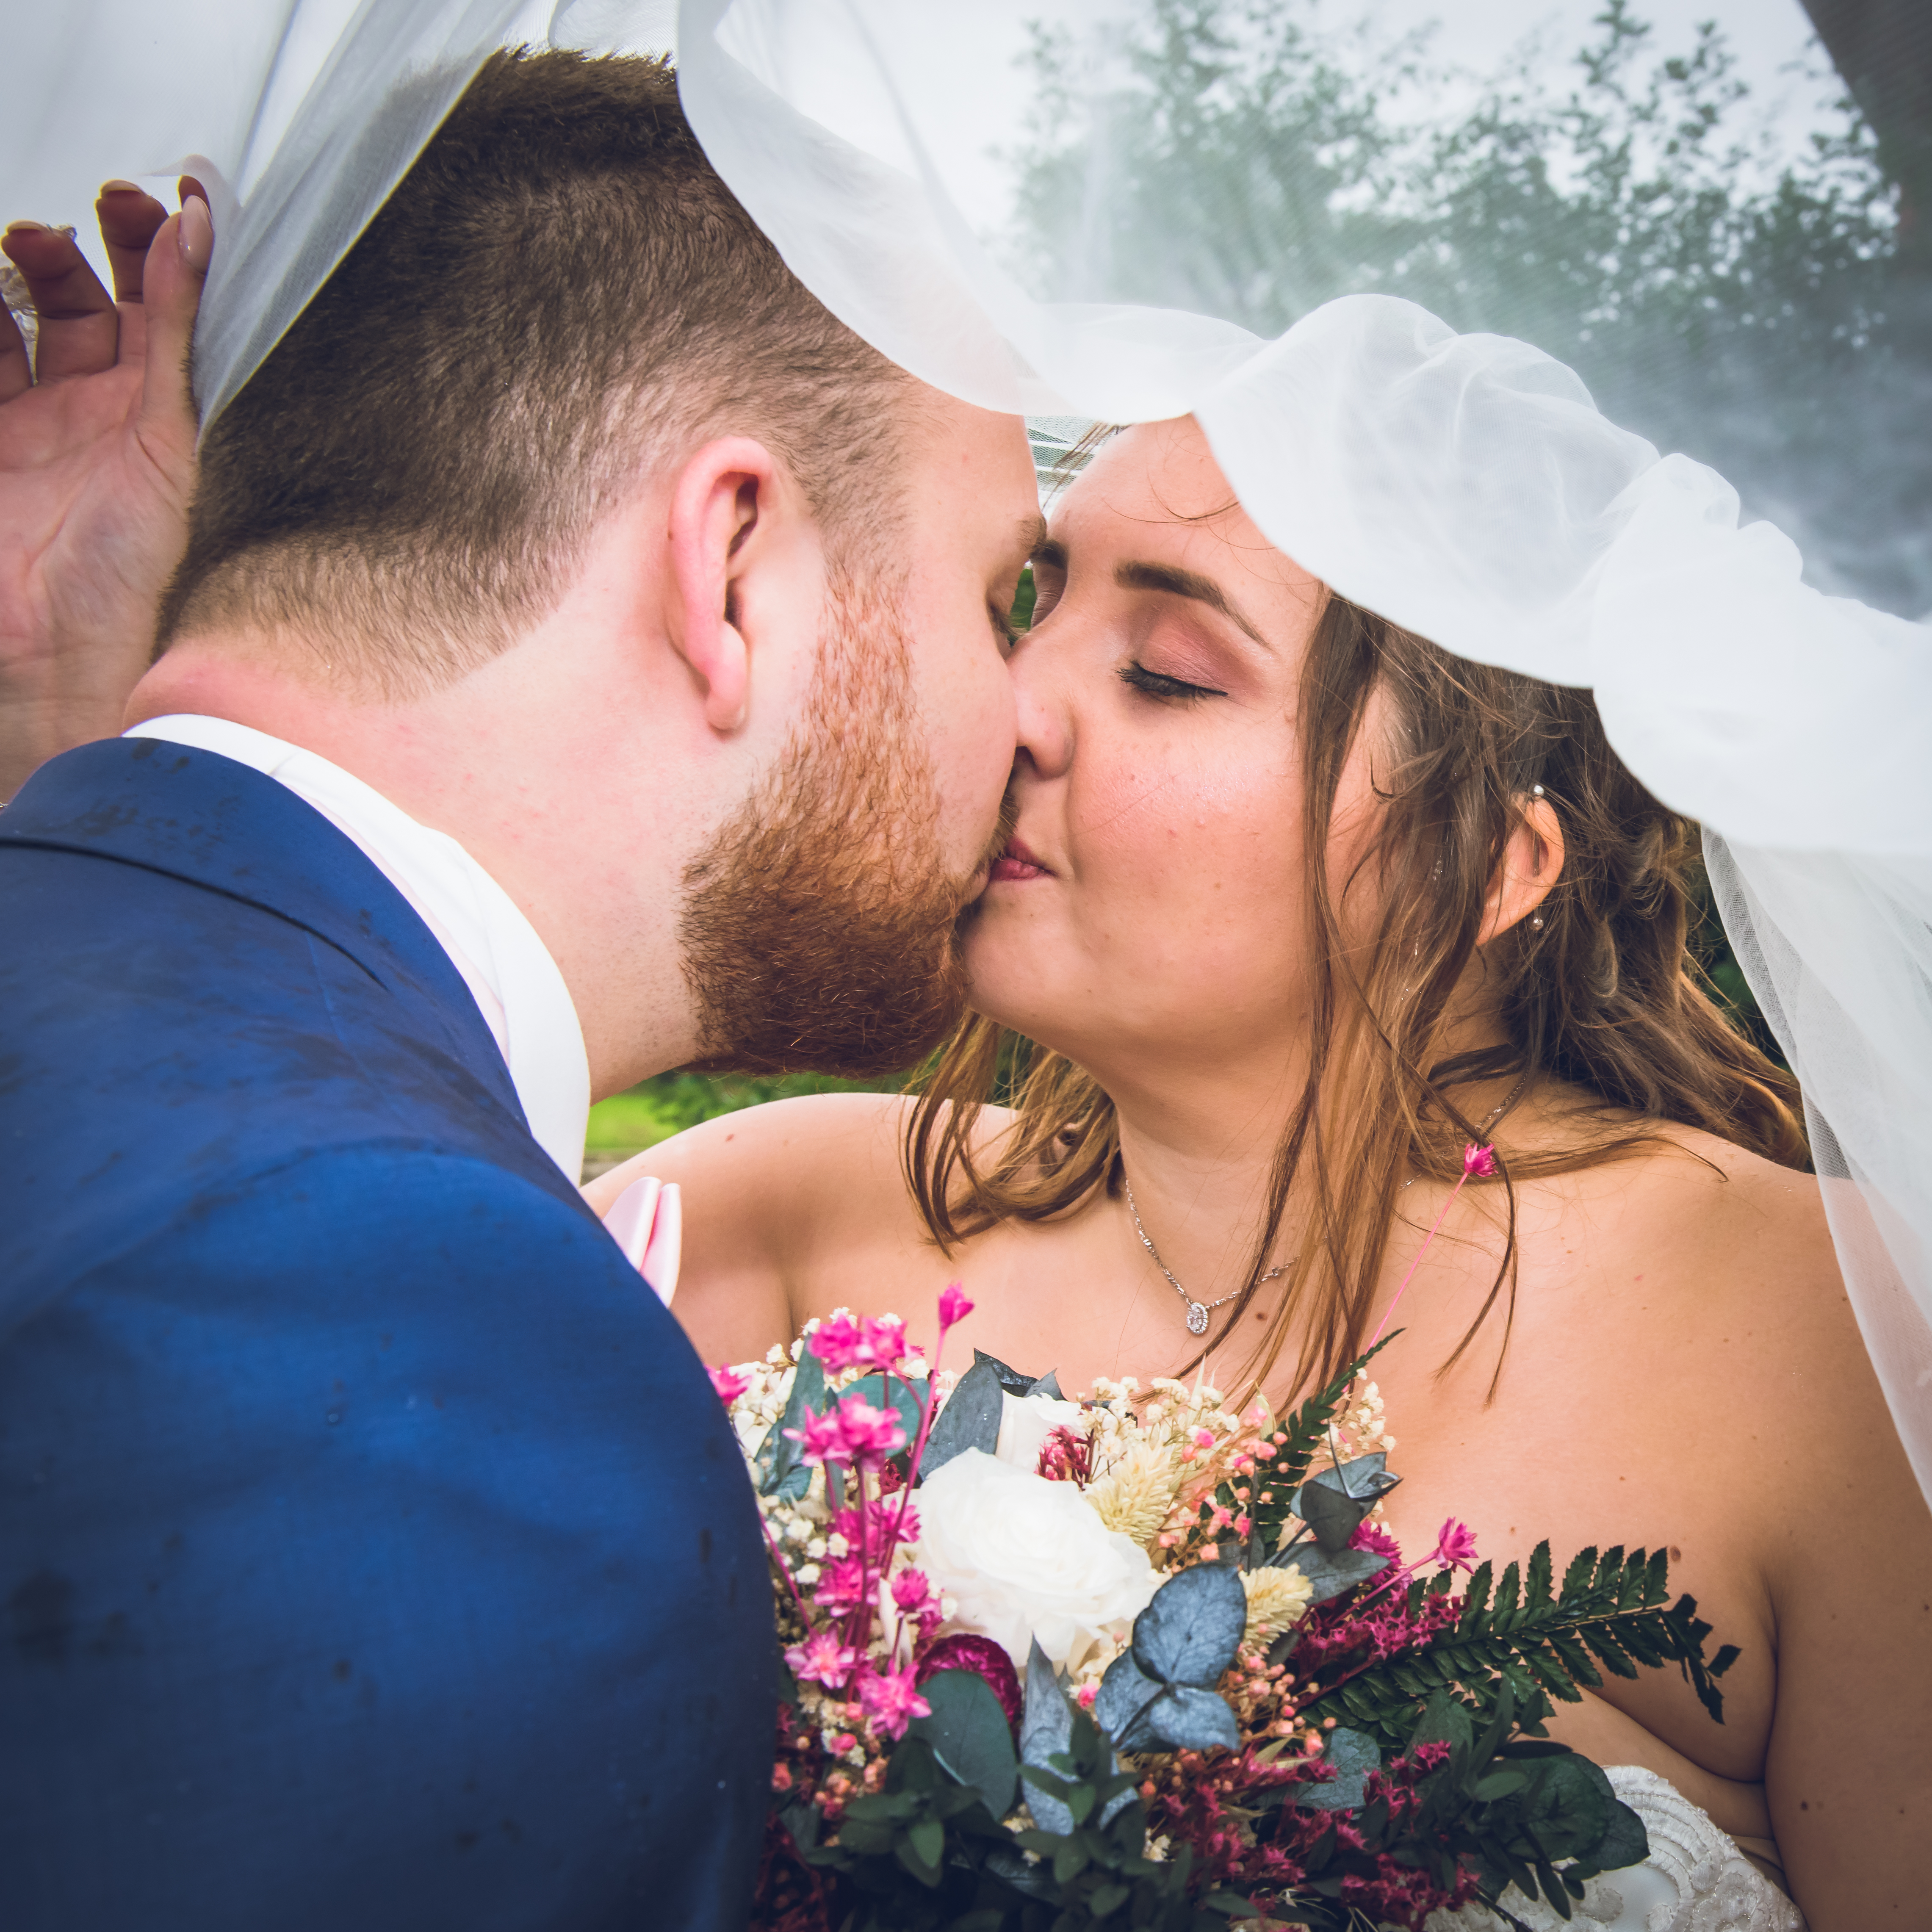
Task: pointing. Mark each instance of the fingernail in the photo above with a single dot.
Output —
(26, 227)
(118, 187)
(196, 234)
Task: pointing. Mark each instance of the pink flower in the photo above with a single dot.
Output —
(823, 1658)
(891, 1699)
(837, 1341)
(1457, 1546)
(1371, 1537)
(854, 1432)
(844, 1343)
(953, 1307)
(1479, 1163)
(729, 1384)
(840, 1584)
(912, 1592)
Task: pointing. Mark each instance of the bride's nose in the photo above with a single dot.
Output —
(1046, 732)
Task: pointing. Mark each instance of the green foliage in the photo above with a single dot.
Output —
(673, 1102)
(1507, 1806)
(925, 1854)
(1517, 1648)
(1160, 1693)
(1307, 1433)
(1748, 306)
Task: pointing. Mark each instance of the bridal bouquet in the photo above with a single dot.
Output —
(1139, 1659)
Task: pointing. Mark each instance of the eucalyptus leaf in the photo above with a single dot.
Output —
(1334, 1501)
(1125, 1696)
(1046, 1729)
(1193, 1625)
(1330, 1576)
(1185, 1716)
(970, 1419)
(1569, 1805)
(1624, 1842)
(1005, 1863)
(890, 1393)
(1011, 1382)
(1352, 1756)
(803, 1822)
(968, 1732)
(1049, 1384)
(808, 1392)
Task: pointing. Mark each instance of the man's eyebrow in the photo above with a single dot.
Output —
(1164, 578)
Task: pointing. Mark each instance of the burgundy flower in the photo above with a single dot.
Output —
(984, 1658)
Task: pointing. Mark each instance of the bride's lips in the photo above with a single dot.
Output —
(1017, 862)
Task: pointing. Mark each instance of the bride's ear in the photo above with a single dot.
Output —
(1532, 862)
(719, 499)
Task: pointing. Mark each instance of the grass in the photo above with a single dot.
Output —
(673, 1102)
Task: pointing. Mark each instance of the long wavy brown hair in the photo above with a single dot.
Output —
(1604, 1005)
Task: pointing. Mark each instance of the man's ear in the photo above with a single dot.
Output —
(718, 501)
(1532, 862)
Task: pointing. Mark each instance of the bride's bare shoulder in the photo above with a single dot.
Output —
(822, 1169)
(1715, 1242)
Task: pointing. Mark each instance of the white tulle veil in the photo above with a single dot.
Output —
(1465, 485)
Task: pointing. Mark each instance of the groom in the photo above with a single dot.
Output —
(587, 658)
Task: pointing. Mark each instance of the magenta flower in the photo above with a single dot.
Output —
(953, 1307)
(823, 1658)
(912, 1592)
(729, 1384)
(841, 1586)
(1371, 1537)
(1457, 1546)
(1479, 1163)
(855, 1433)
(891, 1700)
(867, 1343)
(838, 1343)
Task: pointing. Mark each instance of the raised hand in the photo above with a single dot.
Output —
(96, 461)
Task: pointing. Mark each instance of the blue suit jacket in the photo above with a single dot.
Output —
(373, 1553)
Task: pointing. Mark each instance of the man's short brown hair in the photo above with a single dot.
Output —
(560, 292)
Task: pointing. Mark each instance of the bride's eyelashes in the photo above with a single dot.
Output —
(1158, 685)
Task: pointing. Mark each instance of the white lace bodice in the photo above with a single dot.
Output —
(1695, 1880)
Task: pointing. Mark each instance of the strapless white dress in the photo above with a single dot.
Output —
(1695, 1879)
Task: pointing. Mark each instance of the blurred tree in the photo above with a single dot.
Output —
(1717, 298)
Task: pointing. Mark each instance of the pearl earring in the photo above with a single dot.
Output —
(1536, 924)
(1536, 791)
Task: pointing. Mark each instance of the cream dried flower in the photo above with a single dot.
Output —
(1134, 1492)
(1277, 1600)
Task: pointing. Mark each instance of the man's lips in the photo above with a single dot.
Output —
(1017, 862)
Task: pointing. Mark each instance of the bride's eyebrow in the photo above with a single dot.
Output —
(1164, 578)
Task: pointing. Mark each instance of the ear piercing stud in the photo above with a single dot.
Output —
(1536, 791)
(1536, 924)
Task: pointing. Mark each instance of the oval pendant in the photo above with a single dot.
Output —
(1197, 1318)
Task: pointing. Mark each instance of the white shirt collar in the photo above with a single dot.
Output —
(508, 969)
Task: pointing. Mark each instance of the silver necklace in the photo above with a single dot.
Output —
(1197, 1311)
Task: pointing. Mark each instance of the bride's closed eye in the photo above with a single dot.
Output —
(1157, 684)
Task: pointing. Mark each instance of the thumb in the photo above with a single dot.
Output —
(172, 281)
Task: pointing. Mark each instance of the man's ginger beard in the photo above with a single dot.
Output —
(818, 926)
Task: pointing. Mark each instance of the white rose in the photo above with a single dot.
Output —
(1026, 1422)
(1024, 1558)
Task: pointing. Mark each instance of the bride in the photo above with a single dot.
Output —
(1295, 905)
